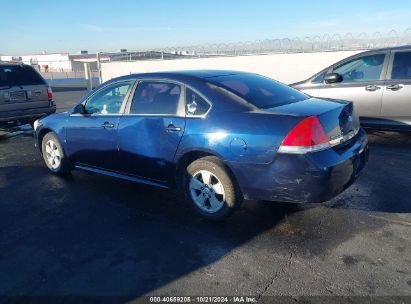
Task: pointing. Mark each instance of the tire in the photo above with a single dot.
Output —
(56, 160)
(210, 189)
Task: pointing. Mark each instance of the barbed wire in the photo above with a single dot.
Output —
(316, 43)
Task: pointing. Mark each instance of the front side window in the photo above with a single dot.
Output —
(157, 98)
(319, 78)
(366, 68)
(259, 91)
(401, 67)
(195, 104)
(109, 99)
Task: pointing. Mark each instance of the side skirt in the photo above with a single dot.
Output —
(121, 176)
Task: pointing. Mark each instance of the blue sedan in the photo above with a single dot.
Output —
(218, 136)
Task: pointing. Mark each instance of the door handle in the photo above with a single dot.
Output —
(107, 125)
(394, 87)
(372, 88)
(172, 128)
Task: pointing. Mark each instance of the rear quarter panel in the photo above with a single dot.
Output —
(250, 137)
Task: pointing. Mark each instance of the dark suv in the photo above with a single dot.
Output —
(24, 95)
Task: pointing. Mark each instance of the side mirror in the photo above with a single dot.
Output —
(79, 109)
(333, 78)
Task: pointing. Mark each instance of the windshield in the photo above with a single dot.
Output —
(260, 91)
(18, 75)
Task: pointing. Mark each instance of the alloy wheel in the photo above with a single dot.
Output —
(207, 191)
(53, 154)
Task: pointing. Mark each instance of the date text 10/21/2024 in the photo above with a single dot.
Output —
(203, 299)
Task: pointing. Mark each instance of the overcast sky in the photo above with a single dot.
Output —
(72, 25)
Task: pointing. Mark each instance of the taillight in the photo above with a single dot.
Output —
(307, 136)
(49, 94)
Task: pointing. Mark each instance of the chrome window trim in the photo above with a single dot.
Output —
(359, 56)
(89, 115)
(203, 97)
(183, 95)
(391, 64)
(132, 92)
(123, 105)
(162, 115)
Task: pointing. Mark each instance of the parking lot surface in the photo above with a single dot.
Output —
(93, 235)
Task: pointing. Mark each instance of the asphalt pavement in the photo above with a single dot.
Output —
(91, 235)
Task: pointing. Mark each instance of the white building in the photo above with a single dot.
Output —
(57, 62)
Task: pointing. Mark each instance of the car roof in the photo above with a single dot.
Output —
(392, 48)
(187, 74)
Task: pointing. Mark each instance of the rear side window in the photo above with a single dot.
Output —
(157, 98)
(260, 91)
(195, 104)
(401, 67)
(18, 75)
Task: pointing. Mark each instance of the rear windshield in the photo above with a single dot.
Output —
(18, 75)
(260, 91)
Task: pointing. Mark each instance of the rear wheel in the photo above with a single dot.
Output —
(53, 155)
(210, 189)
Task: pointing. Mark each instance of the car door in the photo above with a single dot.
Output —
(396, 104)
(92, 135)
(151, 129)
(363, 81)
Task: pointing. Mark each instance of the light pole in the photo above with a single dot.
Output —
(88, 76)
(99, 68)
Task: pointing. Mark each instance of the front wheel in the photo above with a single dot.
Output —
(53, 155)
(210, 189)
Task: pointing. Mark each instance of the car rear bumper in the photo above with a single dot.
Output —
(305, 178)
(19, 117)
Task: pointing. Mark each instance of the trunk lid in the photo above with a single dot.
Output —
(338, 118)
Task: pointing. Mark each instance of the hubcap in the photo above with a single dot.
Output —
(53, 154)
(207, 191)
